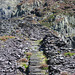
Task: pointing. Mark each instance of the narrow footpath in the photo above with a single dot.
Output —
(37, 62)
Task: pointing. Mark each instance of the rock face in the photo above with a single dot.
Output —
(65, 26)
(55, 50)
(7, 8)
(15, 8)
(73, 42)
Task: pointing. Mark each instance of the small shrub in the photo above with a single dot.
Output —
(59, 52)
(47, 24)
(74, 2)
(8, 7)
(23, 60)
(44, 66)
(2, 46)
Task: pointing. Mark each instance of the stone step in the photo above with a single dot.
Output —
(37, 74)
(34, 58)
(34, 64)
(34, 61)
(34, 51)
(37, 70)
(34, 70)
(34, 67)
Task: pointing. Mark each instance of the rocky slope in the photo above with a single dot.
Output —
(60, 57)
(11, 8)
(39, 39)
(27, 37)
(13, 49)
(65, 26)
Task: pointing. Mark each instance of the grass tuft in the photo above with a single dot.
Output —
(26, 66)
(4, 38)
(44, 66)
(69, 54)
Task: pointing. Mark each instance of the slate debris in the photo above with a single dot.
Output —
(54, 49)
(10, 52)
(24, 31)
(13, 49)
(23, 28)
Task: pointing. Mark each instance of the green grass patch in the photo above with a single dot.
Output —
(35, 48)
(28, 57)
(45, 68)
(48, 22)
(26, 66)
(69, 54)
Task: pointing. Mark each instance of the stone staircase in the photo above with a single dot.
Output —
(35, 61)
(34, 65)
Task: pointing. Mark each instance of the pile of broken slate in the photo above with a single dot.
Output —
(54, 48)
(10, 52)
